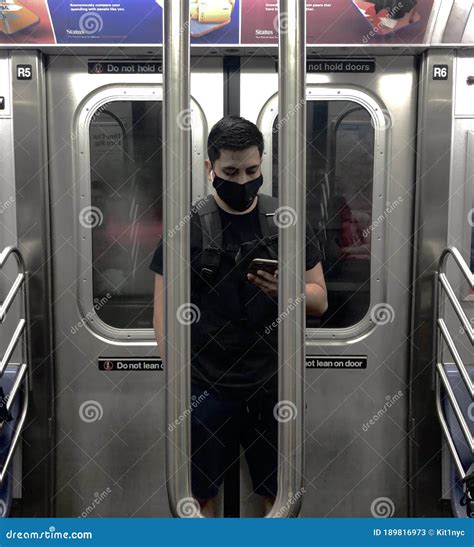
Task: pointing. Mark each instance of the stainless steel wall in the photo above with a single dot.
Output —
(32, 222)
(430, 236)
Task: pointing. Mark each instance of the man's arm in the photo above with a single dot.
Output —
(158, 316)
(316, 292)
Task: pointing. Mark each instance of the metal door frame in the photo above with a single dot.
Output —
(82, 173)
(382, 141)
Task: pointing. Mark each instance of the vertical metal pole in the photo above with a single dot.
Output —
(177, 194)
(291, 219)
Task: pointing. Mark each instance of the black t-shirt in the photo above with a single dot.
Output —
(234, 344)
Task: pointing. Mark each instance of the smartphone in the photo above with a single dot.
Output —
(265, 264)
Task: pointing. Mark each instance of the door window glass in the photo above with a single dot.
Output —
(125, 144)
(340, 164)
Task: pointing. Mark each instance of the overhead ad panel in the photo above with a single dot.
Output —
(236, 22)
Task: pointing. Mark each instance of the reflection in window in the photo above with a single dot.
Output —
(126, 188)
(340, 163)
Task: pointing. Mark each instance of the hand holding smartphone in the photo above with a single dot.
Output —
(265, 264)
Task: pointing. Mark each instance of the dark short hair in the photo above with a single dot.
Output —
(233, 133)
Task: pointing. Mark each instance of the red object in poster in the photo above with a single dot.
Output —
(386, 17)
(25, 22)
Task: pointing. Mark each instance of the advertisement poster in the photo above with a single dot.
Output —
(112, 22)
(342, 21)
(27, 22)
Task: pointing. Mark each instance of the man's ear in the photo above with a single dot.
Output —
(208, 166)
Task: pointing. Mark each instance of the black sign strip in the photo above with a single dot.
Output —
(355, 66)
(130, 364)
(124, 67)
(336, 361)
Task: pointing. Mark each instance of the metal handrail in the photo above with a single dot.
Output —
(292, 193)
(22, 332)
(11, 296)
(450, 293)
(177, 344)
(444, 336)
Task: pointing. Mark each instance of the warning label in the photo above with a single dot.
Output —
(108, 364)
(342, 361)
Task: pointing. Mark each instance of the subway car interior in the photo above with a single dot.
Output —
(367, 115)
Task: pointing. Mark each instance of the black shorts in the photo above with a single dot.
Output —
(215, 420)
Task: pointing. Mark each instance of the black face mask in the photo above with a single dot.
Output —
(238, 196)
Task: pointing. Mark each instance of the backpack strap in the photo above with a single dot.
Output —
(211, 228)
(266, 209)
(211, 236)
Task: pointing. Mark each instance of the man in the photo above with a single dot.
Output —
(234, 367)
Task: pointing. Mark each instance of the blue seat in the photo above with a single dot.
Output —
(6, 434)
(464, 401)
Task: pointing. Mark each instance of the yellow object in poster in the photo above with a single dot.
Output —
(15, 17)
(212, 11)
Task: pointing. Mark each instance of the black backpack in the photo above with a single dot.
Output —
(209, 216)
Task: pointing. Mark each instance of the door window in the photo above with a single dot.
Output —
(339, 171)
(125, 144)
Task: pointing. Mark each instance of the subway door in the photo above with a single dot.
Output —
(360, 183)
(105, 146)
